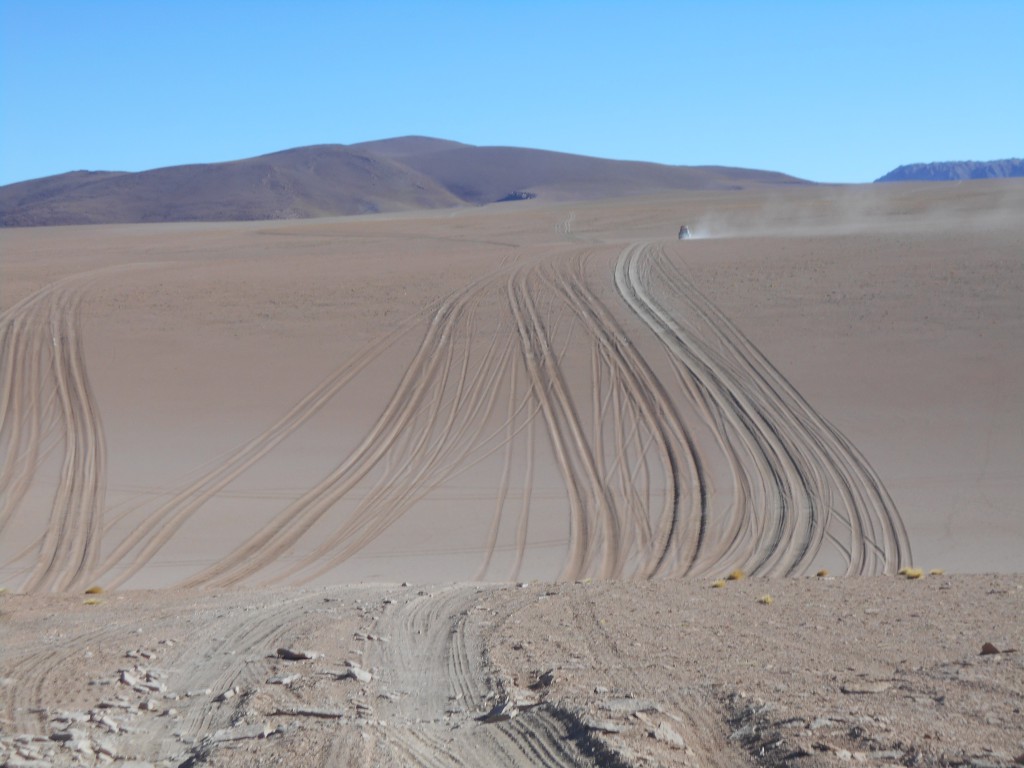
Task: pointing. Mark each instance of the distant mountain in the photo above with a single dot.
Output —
(956, 171)
(408, 173)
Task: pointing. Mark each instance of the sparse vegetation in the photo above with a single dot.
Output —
(912, 573)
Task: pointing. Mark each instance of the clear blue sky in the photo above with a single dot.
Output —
(830, 91)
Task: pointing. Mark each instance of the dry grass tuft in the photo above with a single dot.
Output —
(736, 575)
(822, 573)
(718, 583)
(912, 573)
(94, 591)
(92, 601)
(936, 571)
(766, 599)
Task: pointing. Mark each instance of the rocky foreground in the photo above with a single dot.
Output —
(880, 671)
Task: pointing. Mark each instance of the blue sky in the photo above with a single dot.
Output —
(830, 91)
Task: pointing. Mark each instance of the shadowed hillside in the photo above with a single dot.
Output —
(327, 180)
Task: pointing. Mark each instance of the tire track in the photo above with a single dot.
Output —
(523, 365)
(810, 475)
(47, 396)
(436, 657)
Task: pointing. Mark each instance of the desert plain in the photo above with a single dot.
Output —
(463, 487)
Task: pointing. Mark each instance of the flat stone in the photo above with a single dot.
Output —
(357, 673)
(867, 686)
(240, 733)
(667, 734)
(309, 712)
(500, 712)
(283, 679)
(71, 734)
(602, 726)
(742, 734)
(290, 654)
(630, 706)
(17, 761)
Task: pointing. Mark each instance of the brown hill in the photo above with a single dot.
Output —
(334, 180)
(483, 175)
(326, 180)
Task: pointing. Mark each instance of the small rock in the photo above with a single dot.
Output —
(283, 679)
(888, 754)
(630, 706)
(748, 731)
(866, 686)
(667, 734)
(240, 733)
(545, 680)
(602, 726)
(82, 746)
(104, 747)
(19, 761)
(69, 735)
(114, 704)
(355, 672)
(289, 654)
(988, 649)
(502, 711)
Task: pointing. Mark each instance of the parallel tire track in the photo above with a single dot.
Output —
(556, 379)
(818, 487)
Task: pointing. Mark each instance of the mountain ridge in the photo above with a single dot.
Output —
(956, 170)
(389, 175)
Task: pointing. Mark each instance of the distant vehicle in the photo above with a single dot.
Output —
(684, 232)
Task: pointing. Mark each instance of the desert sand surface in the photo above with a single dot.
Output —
(247, 433)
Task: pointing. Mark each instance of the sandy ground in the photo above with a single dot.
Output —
(821, 378)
